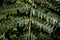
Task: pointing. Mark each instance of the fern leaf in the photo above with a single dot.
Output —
(49, 17)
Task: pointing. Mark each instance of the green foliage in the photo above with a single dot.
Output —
(45, 37)
(14, 19)
(47, 15)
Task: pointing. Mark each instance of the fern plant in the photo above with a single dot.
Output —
(29, 20)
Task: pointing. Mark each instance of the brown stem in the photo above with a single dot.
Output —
(30, 21)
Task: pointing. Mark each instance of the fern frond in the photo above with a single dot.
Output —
(49, 5)
(25, 20)
(44, 36)
(46, 15)
(39, 23)
(12, 9)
